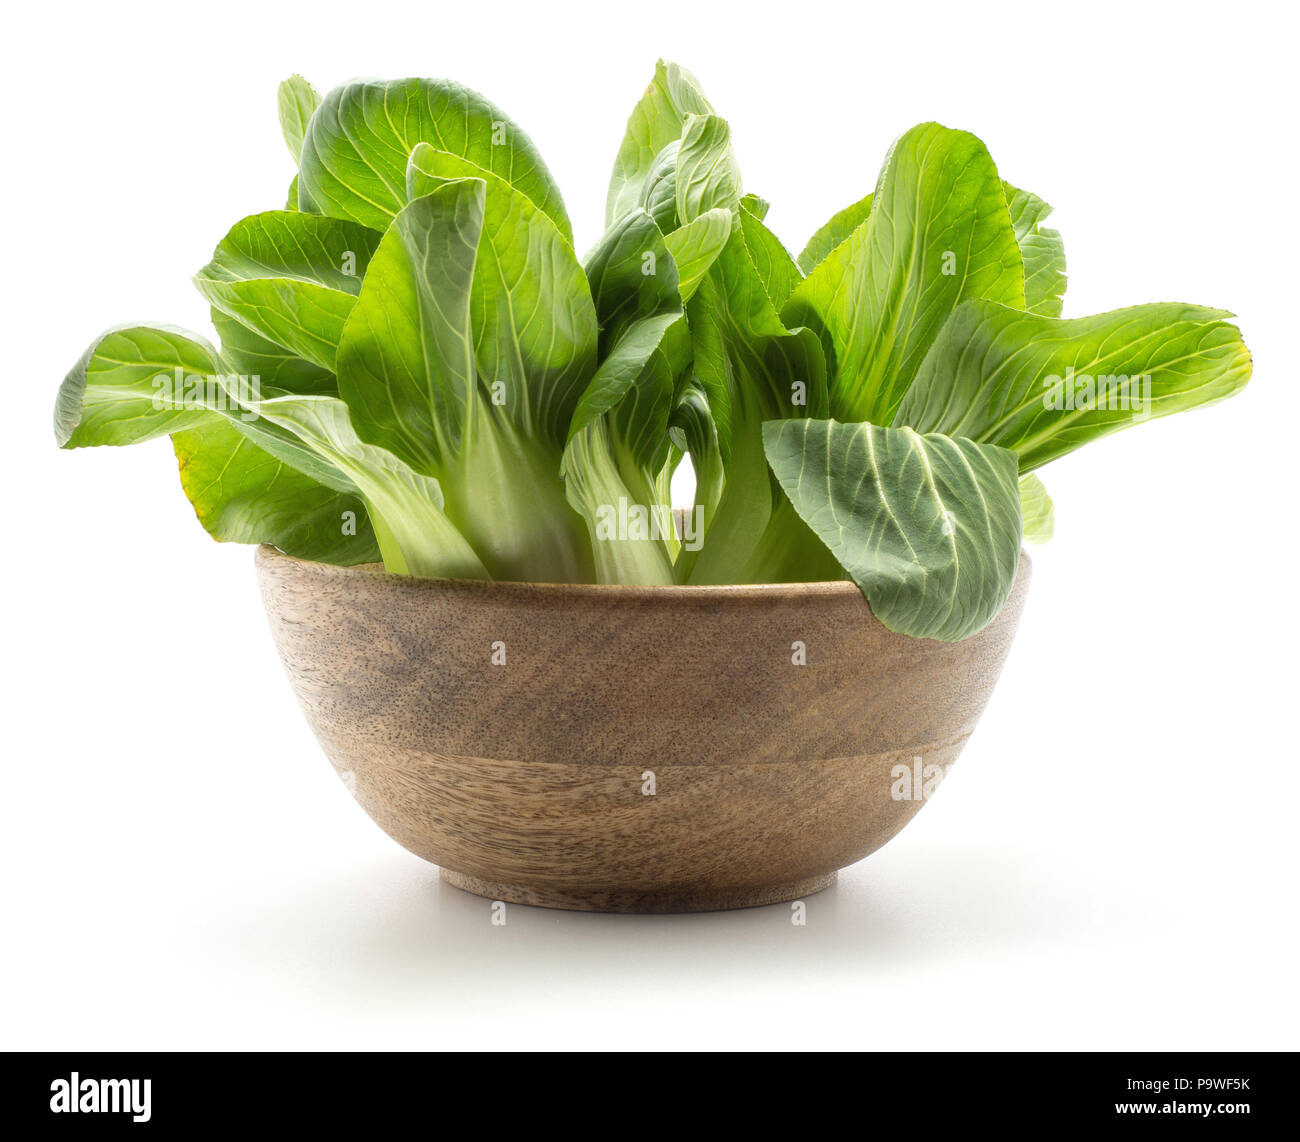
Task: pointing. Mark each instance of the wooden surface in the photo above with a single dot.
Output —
(524, 780)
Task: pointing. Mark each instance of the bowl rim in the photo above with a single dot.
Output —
(834, 589)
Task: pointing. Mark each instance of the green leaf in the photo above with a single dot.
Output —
(839, 229)
(1042, 386)
(927, 526)
(619, 371)
(242, 494)
(126, 386)
(406, 361)
(789, 552)
(471, 340)
(751, 369)
(252, 355)
(355, 154)
(262, 368)
(297, 99)
(693, 430)
(655, 123)
(639, 423)
(281, 443)
(633, 284)
(741, 358)
(414, 534)
(140, 381)
(620, 519)
(1041, 250)
(776, 268)
(690, 176)
(1036, 512)
(706, 176)
(659, 191)
(290, 277)
(696, 246)
(631, 276)
(535, 328)
(617, 439)
(939, 232)
(414, 340)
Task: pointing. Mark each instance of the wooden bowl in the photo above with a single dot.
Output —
(627, 749)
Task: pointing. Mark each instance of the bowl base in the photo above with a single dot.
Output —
(668, 900)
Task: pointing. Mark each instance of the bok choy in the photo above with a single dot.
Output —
(414, 365)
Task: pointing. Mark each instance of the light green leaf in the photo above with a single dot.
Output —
(406, 361)
(839, 229)
(414, 534)
(751, 369)
(290, 277)
(734, 321)
(140, 381)
(1036, 512)
(655, 123)
(1042, 386)
(132, 385)
(297, 99)
(260, 367)
(465, 356)
(355, 154)
(126, 388)
(617, 440)
(242, 494)
(927, 526)
(776, 268)
(620, 519)
(939, 232)
(696, 246)
(535, 328)
(659, 193)
(694, 432)
(252, 355)
(280, 442)
(706, 176)
(1041, 250)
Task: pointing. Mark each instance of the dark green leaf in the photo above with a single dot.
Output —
(927, 526)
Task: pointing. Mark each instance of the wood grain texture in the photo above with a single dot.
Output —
(524, 780)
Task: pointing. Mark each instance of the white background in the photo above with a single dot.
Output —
(1111, 865)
